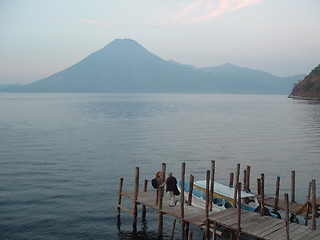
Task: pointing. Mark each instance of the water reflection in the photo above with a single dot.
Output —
(136, 234)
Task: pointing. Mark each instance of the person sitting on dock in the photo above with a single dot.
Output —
(171, 183)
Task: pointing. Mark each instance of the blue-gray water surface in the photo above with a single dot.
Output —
(62, 155)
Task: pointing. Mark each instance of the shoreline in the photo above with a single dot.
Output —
(303, 98)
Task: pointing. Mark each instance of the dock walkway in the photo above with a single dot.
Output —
(260, 227)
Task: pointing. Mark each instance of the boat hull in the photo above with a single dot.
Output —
(222, 197)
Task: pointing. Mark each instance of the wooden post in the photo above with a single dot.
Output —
(231, 180)
(163, 176)
(145, 188)
(314, 205)
(245, 179)
(183, 170)
(259, 186)
(262, 195)
(286, 198)
(163, 179)
(213, 163)
(239, 211)
(248, 179)
(236, 184)
(172, 228)
(190, 190)
(235, 195)
(293, 188)
(306, 216)
(187, 226)
(276, 198)
(135, 197)
(158, 190)
(190, 198)
(237, 175)
(309, 191)
(214, 231)
(160, 215)
(160, 199)
(207, 233)
(119, 196)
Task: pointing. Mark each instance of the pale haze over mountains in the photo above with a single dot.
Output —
(124, 66)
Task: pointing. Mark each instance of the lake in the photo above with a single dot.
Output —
(62, 155)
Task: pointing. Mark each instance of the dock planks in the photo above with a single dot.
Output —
(261, 227)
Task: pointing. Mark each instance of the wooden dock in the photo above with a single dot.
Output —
(262, 227)
(252, 224)
(236, 221)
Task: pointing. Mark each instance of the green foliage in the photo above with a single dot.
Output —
(309, 85)
(317, 89)
(316, 70)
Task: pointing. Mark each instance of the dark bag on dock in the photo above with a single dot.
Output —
(154, 183)
(176, 191)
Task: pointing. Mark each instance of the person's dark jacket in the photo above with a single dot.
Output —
(171, 183)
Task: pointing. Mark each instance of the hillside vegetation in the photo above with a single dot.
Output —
(309, 87)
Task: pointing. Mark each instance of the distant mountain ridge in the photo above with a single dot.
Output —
(124, 66)
(4, 86)
(245, 78)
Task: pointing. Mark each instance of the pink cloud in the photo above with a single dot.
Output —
(198, 11)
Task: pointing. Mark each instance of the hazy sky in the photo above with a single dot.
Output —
(41, 37)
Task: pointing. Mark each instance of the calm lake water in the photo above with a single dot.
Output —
(62, 155)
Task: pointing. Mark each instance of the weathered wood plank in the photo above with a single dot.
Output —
(296, 229)
(125, 208)
(300, 232)
(200, 219)
(224, 218)
(222, 215)
(275, 235)
(246, 219)
(275, 228)
(256, 224)
(281, 233)
(311, 235)
(233, 222)
(265, 226)
(293, 231)
(128, 195)
(197, 220)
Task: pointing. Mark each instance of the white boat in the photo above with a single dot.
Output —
(223, 197)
